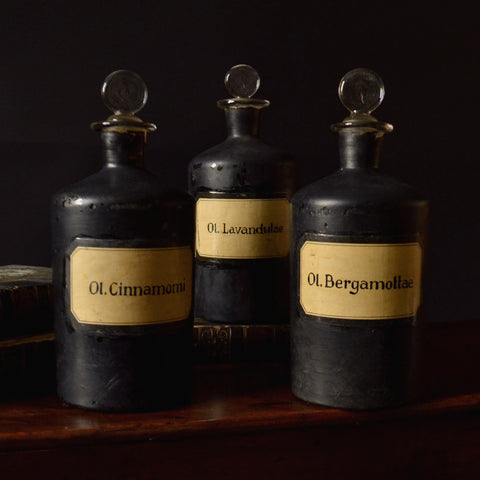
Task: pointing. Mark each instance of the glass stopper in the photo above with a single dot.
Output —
(361, 91)
(242, 81)
(124, 92)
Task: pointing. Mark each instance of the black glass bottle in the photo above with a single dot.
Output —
(242, 189)
(122, 266)
(357, 254)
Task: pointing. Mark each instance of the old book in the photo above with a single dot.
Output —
(25, 301)
(27, 364)
(27, 353)
(218, 343)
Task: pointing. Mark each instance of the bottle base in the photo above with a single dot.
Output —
(352, 404)
(143, 407)
(353, 366)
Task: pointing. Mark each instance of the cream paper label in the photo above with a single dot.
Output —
(360, 281)
(243, 228)
(130, 286)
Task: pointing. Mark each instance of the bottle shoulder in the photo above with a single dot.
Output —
(358, 186)
(241, 149)
(243, 164)
(119, 185)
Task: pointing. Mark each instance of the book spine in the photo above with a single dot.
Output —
(25, 309)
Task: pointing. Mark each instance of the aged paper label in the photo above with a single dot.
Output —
(243, 228)
(360, 281)
(130, 286)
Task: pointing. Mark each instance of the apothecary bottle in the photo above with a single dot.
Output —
(242, 188)
(357, 254)
(122, 266)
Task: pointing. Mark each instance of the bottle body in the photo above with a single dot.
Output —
(122, 254)
(242, 189)
(357, 253)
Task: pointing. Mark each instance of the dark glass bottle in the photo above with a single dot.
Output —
(357, 254)
(122, 266)
(242, 189)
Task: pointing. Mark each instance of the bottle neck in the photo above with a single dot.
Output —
(359, 150)
(123, 148)
(242, 121)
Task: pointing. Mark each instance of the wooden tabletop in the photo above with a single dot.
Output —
(243, 422)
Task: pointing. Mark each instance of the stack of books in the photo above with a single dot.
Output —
(27, 359)
(27, 353)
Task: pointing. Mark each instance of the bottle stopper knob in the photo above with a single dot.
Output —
(124, 92)
(361, 91)
(242, 81)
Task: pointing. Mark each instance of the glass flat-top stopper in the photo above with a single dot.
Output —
(242, 81)
(361, 91)
(124, 92)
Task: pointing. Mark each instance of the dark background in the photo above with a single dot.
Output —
(55, 56)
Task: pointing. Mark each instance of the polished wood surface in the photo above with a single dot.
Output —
(243, 422)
